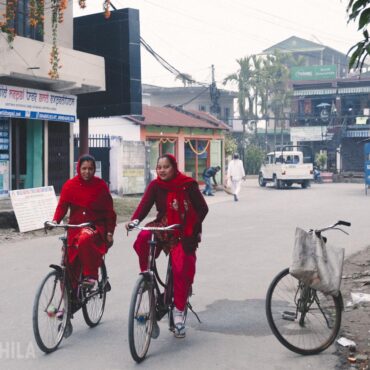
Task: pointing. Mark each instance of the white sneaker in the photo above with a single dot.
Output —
(178, 320)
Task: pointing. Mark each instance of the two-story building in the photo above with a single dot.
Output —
(197, 98)
(36, 111)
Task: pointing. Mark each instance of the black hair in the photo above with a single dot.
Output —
(236, 156)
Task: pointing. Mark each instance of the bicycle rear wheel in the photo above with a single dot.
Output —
(141, 318)
(304, 320)
(50, 312)
(93, 308)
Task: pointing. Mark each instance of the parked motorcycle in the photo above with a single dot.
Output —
(317, 176)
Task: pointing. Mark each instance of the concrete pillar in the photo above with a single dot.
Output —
(84, 135)
(181, 151)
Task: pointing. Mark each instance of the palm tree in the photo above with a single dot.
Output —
(243, 78)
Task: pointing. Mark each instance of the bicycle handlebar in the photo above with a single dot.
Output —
(334, 227)
(66, 226)
(134, 224)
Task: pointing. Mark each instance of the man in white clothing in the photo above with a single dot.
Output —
(235, 174)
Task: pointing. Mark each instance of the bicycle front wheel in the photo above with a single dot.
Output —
(303, 319)
(141, 318)
(50, 312)
(93, 308)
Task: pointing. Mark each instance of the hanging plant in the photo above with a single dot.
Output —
(7, 25)
(106, 6)
(36, 15)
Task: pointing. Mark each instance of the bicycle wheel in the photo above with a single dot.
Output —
(304, 320)
(93, 308)
(50, 312)
(141, 318)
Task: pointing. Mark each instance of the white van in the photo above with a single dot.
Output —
(285, 168)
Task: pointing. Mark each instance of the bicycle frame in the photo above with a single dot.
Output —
(152, 275)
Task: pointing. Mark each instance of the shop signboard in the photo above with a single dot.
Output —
(310, 133)
(314, 72)
(19, 102)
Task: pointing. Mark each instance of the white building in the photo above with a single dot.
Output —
(36, 112)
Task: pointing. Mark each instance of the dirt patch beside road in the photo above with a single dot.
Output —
(356, 316)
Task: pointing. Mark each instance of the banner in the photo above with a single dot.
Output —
(18, 102)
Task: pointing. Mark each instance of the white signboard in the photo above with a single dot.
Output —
(311, 133)
(32, 207)
(20, 102)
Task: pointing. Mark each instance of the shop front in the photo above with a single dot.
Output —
(35, 138)
(195, 149)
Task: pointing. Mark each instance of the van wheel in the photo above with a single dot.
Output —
(305, 184)
(277, 183)
(261, 180)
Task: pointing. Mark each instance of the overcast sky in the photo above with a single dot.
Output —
(194, 34)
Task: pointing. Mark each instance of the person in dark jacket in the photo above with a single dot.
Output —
(178, 201)
(207, 175)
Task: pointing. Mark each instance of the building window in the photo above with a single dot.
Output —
(196, 158)
(226, 117)
(22, 25)
(202, 108)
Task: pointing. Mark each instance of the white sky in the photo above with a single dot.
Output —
(194, 34)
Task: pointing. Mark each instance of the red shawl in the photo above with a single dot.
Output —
(88, 201)
(179, 208)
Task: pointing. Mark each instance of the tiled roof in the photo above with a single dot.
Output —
(178, 117)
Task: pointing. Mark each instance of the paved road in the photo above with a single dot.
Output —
(245, 244)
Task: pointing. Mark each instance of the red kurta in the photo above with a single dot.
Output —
(178, 202)
(88, 201)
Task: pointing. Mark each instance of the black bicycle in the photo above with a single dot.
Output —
(148, 303)
(56, 301)
(304, 320)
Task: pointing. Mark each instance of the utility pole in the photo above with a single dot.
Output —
(215, 95)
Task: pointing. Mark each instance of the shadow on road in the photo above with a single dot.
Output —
(233, 317)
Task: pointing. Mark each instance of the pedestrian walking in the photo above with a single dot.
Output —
(209, 173)
(235, 174)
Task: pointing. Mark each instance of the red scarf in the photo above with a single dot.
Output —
(91, 194)
(179, 208)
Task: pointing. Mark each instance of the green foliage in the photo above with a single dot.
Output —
(359, 10)
(231, 145)
(253, 159)
(321, 160)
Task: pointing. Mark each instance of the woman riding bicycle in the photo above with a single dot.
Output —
(89, 200)
(178, 201)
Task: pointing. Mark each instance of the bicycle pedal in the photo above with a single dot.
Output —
(288, 315)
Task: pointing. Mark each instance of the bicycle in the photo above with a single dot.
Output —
(304, 320)
(148, 303)
(56, 301)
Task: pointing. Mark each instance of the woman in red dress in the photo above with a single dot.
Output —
(178, 201)
(89, 200)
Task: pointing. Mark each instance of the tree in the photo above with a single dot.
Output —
(359, 10)
(243, 78)
(231, 145)
(253, 159)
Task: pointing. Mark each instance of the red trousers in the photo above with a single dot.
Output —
(86, 255)
(183, 267)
